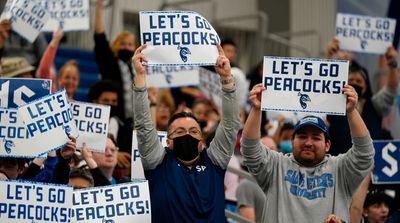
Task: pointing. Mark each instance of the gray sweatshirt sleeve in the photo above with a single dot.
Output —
(356, 163)
(384, 99)
(222, 146)
(150, 147)
(260, 160)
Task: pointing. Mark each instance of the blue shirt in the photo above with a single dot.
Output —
(180, 194)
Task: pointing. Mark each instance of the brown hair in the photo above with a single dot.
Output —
(118, 39)
(72, 63)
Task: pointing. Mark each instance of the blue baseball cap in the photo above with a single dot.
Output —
(312, 121)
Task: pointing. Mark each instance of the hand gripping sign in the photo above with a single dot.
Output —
(91, 121)
(26, 16)
(304, 85)
(364, 33)
(178, 38)
(48, 122)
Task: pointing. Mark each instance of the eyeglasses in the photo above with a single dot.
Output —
(180, 131)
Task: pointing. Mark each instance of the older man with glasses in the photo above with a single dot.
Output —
(186, 180)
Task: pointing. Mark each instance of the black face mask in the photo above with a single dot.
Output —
(125, 55)
(185, 147)
(358, 89)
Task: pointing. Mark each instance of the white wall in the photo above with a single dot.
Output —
(317, 15)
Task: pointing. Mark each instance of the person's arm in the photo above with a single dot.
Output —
(62, 168)
(384, 98)
(357, 202)
(222, 146)
(44, 69)
(150, 148)
(332, 48)
(259, 160)
(99, 22)
(357, 162)
(5, 27)
(152, 92)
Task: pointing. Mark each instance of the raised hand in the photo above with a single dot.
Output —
(255, 95)
(88, 157)
(352, 98)
(223, 66)
(69, 149)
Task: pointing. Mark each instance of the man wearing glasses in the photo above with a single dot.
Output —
(186, 181)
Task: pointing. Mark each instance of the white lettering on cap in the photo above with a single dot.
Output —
(309, 119)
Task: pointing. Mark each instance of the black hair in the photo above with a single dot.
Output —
(102, 86)
(377, 197)
(10, 162)
(228, 41)
(181, 115)
(356, 67)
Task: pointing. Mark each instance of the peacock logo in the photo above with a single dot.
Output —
(8, 145)
(303, 100)
(183, 52)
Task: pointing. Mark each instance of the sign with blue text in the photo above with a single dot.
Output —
(26, 202)
(137, 171)
(387, 162)
(27, 17)
(128, 202)
(178, 38)
(15, 92)
(13, 141)
(91, 120)
(48, 122)
(304, 85)
(168, 77)
(210, 86)
(71, 15)
(364, 33)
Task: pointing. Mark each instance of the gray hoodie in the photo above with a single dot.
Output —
(296, 193)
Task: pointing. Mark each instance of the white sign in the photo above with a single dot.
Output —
(178, 38)
(13, 141)
(26, 202)
(27, 17)
(364, 33)
(92, 123)
(304, 85)
(128, 202)
(70, 15)
(210, 85)
(168, 77)
(48, 122)
(137, 171)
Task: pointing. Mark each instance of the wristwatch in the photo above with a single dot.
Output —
(227, 81)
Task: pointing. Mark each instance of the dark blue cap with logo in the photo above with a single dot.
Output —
(313, 121)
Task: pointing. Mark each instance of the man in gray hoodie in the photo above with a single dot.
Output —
(308, 184)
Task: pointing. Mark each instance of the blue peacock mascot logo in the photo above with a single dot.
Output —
(303, 100)
(183, 52)
(8, 145)
(107, 221)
